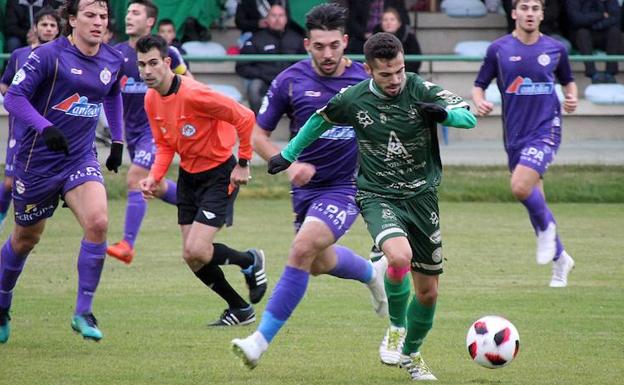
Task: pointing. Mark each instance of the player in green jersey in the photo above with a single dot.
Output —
(394, 116)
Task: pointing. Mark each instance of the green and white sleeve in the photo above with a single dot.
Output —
(460, 118)
(311, 131)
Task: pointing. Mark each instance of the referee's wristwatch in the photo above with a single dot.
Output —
(243, 162)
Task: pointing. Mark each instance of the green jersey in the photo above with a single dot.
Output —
(398, 148)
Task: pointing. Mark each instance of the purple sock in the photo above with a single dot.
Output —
(135, 211)
(11, 266)
(90, 265)
(351, 266)
(287, 294)
(559, 248)
(5, 199)
(170, 196)
(539, 214)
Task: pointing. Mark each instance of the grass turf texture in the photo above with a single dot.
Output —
(598, 184)
(154, 312)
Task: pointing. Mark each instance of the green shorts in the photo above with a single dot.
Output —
(417, 219)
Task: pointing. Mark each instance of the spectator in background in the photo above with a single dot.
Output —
(365, 15)
(167, 30)
(252, 16)
(277, 38)
(391, 23)
(20, 20)
(596, 24)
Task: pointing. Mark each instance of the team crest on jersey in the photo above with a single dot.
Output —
(526, 86)
(19, 187)
(77, 105)
(131, 86)
(105, 76)
(188, 130)
(364, 118)
(543, 60)
(395, 147)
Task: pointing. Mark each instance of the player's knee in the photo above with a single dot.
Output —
(96, 227)
(399, 260)
(24, 243)
(520, 190)
(427, 296)
(194, 252)
(302, 250)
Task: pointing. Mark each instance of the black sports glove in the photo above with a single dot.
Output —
(114, 158)
(277, 163)
(55, 140)
(433, 111)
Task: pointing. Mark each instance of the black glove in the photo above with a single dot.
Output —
(55, 140)
(114, 158)
(277, 163)
(433, 111)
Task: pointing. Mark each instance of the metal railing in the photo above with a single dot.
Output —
(428, 58)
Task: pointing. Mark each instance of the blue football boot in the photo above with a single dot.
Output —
(86, 324)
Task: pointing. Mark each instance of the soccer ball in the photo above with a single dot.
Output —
(492, 341)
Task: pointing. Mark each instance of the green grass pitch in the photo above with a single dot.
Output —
(154, 312)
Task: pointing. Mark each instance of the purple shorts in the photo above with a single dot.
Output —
(335, 208)
(142, 149)
(35, 197)
(537, 155)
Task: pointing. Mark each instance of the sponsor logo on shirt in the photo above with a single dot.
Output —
(395, 147)
(339, 133)
(188, 130)
(314, 94)
(364, 118)
(515, 58)
(76, 71)
(269, 47)
(77, 105)
(130, 85)
(526, 86)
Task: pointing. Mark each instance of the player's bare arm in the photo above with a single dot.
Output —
(483, 106)
(570, 102)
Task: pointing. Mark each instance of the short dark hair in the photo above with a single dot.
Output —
(150, 8)
(326, 17)
(382, 45)
(514, 3)
(48, 11)
(70, 8)
(166, 22)
(149, 42)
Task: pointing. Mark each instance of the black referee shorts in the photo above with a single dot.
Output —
(207, 197)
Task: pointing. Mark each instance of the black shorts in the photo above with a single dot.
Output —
(207, 197)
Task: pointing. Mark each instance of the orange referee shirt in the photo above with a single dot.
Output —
(198, 123)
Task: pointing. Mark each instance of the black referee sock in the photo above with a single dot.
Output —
(224, 255)
(213, 277)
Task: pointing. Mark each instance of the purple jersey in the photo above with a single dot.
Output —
(65, 88)
(133, 89)
(298, 92)
(525, 75)
(17, 59)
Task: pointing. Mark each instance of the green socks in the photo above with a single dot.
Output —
(419, 322)
(398, 296)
